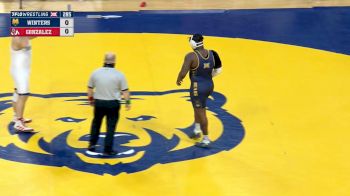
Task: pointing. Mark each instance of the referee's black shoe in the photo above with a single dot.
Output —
(92, 151)
(109, 153)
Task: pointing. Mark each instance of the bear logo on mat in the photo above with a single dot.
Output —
(155, 131)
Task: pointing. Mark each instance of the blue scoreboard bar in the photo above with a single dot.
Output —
(42, 23)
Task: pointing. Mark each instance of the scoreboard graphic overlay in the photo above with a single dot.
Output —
(42, 23)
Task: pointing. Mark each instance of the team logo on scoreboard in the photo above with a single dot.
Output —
(14, 32)
(147, 138)
(15, 21)
(53, 14)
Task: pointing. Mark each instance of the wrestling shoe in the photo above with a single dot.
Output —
(24, 120)
(195, 135)
(20, 127)
(203, 144)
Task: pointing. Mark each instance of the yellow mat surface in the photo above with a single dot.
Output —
(293, 104)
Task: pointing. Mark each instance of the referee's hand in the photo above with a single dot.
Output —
(91, 101)
(127, 107)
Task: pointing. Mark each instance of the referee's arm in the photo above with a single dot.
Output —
(90, 90)
(126, 96)
(125, 92)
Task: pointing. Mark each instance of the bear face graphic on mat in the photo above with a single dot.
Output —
(156, 130)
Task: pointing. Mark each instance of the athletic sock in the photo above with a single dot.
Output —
(197, 128)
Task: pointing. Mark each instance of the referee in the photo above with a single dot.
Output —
(105, 88)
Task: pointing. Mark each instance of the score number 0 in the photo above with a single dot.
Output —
(67, 25)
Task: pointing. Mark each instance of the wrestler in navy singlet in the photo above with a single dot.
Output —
(201, 80)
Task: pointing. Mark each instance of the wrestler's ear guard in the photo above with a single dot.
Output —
(195, 44)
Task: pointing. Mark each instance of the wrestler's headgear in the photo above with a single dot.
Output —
(196, 41)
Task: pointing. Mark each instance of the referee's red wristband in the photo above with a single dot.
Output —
(90, 98)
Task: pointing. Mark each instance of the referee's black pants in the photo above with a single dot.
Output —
(111, 110)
